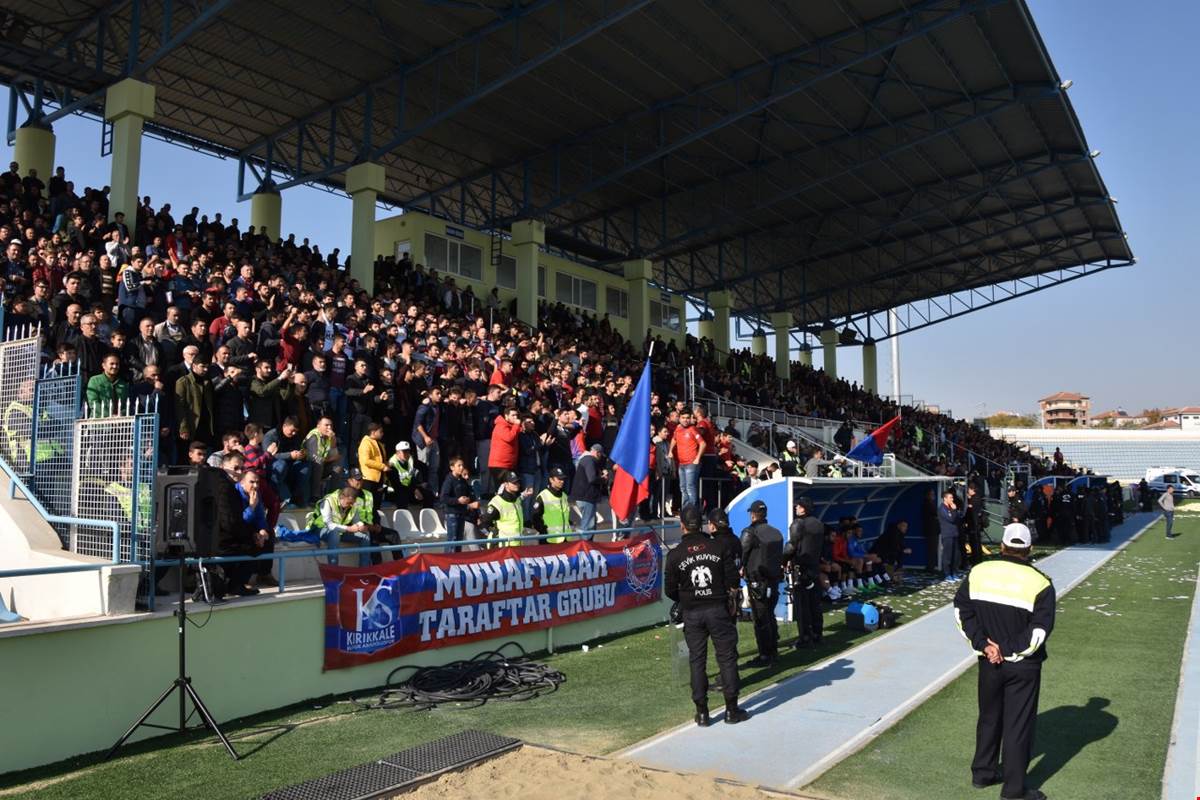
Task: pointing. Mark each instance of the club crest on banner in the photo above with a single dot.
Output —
(368, 613)
(641, 567)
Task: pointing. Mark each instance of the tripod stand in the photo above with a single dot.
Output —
(182, 683)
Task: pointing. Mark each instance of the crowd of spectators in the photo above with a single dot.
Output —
(266, 347)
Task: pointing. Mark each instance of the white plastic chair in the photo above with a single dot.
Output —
(431, 523)
(403, 522)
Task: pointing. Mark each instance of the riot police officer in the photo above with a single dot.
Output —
(1017, 512)
(704, 581)
(719, 530)
(762, 559)
(1063, 512)
(803, 554)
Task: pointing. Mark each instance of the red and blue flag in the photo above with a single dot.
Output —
(631, 453)
(870, 449)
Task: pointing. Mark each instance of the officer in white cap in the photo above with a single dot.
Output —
(1005, 609)
(789, 460)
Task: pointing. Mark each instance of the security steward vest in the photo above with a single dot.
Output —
(405, 470)
(317, 520)
(365, 503)
(124, 497)
(18, 430)
(324, 444)
(556, 514)
(511, 519)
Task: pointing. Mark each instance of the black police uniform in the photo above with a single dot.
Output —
(1011, 603)
(1063, 512)
(700, 577)
(1017, 512)
(762, 559)
(803, 552)
(974, 521)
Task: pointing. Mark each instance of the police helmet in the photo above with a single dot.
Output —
(557, 472)
(718, 518)
(690, 518)
(758, 507)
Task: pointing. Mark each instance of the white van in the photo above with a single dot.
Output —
(1185, 481)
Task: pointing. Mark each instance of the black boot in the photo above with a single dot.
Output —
(702, 716)
(733, 714)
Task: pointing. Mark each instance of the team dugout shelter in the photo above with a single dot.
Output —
(803, 168)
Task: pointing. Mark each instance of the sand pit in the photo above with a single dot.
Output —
(535, 773)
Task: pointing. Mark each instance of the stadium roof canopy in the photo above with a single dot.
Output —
(828, 159)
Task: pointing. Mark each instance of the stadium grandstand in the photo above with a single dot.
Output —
(570, 189)
(1121, 454)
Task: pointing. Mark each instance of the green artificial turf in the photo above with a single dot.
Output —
(1107, 698)
(621, 691)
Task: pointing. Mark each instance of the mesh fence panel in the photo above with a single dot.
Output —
(19, 360)
(114, 476)
(57, 399)
(145, 472)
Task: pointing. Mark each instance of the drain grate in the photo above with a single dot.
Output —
(451, 752)
(398, 770)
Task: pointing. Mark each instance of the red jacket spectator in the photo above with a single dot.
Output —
(705, 426)
(687, 444)
(504, 450)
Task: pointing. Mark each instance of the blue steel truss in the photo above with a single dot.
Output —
(422, 94)
(101, 52)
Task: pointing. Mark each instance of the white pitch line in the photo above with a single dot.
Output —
(1185, 728)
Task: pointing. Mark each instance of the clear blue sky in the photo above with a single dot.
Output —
(1123, 337)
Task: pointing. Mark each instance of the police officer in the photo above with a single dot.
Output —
(974, 521)
(504, 515)
(806, 536)
(551, 512)
(1063, 513)
(1005, 609)
(1017, 512)
(704, 582)
(719, 530)
(762, 560)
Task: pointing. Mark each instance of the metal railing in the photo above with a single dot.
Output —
(324, 552)
(15, 484)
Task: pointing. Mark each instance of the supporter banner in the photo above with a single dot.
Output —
(428, 601)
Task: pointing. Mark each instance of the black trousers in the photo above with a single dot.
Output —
(1008, 701)
(385, 536)
(973, 539)
(806, 607)
(763, 598)
(699, 624)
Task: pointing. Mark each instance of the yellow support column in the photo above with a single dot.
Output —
(870, 367)
(638, 274)
(806, 354)
(717, 328)
(34, 150)
(829, 345)
(364, 182)
(127, 105)
(758, 342)
(782, 323)
(527, 236)
(266, 212)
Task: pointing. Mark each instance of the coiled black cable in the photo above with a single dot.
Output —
(489, 675)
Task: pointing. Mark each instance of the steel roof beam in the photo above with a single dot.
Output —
(1033, 166)
(425, 77)
(614, 151)
(103, 31)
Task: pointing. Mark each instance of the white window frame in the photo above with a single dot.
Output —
(574, 290)
(621, 310)
(454, 253)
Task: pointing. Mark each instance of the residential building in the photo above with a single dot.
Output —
(1065, 410)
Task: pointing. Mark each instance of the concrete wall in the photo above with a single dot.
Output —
(27, 541)
(73, 689)
(411, 227)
